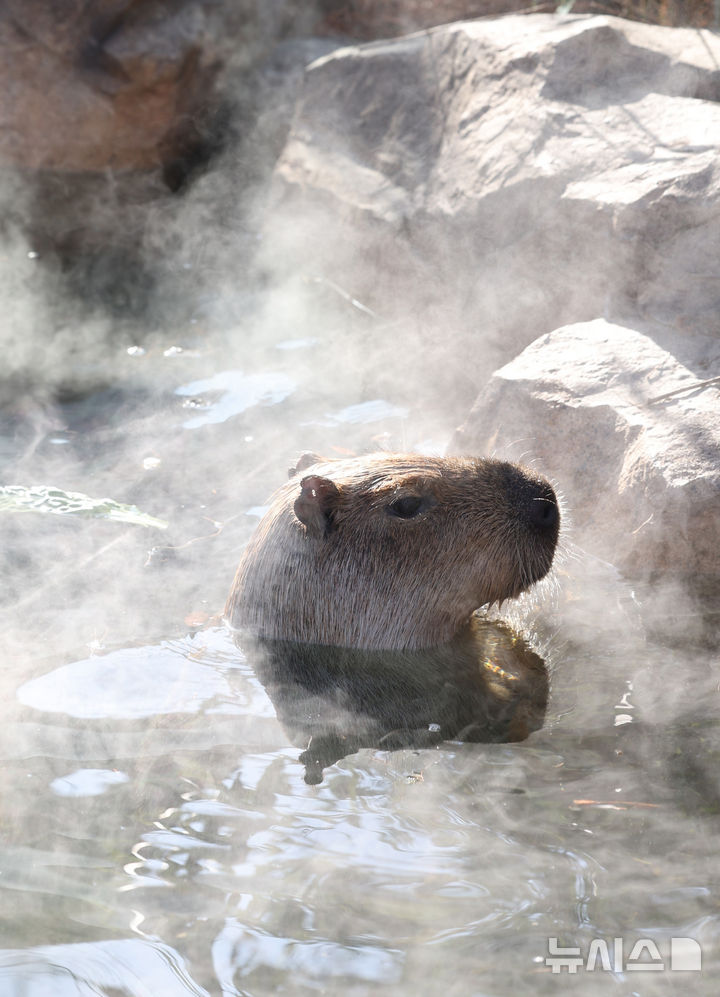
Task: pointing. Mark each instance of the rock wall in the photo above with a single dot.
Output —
(109, 108)
(105, 84)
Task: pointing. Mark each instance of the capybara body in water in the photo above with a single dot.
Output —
(392, 551)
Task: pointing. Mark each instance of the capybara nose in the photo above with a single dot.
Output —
(533, 501)
(542, 509)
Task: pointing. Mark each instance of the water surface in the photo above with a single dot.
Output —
(158, 836)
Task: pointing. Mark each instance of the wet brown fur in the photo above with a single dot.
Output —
(353, 574)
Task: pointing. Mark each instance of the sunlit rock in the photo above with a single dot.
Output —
(503, 177)
(630, 434)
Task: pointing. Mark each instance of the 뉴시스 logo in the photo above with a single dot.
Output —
(644, 955)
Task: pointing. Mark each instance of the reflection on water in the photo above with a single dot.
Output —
(487, 685)
(133, 682)
(163, 839)
(231, 392)
(239, 952)
(87, 782)
(133, 967)
(366, 412)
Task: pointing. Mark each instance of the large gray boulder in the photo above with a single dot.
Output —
(630, 435)
(496, 179)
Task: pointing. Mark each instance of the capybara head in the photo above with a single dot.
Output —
(392, 551)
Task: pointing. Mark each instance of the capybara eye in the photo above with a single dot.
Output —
(406, 507)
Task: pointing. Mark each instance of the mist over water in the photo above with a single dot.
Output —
(157, 835)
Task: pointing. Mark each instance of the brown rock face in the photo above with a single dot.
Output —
(106, 84)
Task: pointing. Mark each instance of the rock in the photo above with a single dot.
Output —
(640, 471)
(370, 20)
(106, 106)
(108, 84)
(396, 17)
(497, 179)
(109, 109)
(272, 89)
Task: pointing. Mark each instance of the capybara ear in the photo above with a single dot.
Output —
(304, 461)
(316, 504)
